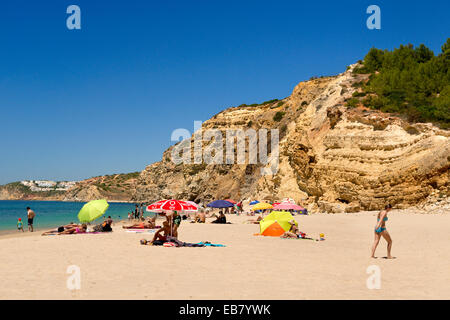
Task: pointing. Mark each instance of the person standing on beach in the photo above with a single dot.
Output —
(136, 212)
(141, 211)
(380, 231)
(31, 215)
(20, 225)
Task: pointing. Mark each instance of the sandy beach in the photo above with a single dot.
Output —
(116, 266)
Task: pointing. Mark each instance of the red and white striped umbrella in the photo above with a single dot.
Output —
(193, 203)
(173, 205)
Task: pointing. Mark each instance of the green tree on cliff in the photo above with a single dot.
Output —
(410, 81)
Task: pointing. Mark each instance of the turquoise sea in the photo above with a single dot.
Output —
(51, 214)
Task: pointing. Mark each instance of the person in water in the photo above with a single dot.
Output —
(380, 231)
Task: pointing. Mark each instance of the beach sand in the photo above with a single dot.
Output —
(116, 266)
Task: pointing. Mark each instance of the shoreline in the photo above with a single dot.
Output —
(11, 233)
(14, 233)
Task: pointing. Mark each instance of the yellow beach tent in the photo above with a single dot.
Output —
(276, 223)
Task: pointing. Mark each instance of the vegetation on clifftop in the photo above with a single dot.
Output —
(20, 189)
(409, 81)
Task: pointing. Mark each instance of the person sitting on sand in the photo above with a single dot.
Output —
(221, 219)
(75, 230)
(380, 231)
(162, 233)
(200, 217)
(105, 226)
(293, 231)
(147, 224)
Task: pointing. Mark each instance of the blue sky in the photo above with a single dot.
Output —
(105, 99)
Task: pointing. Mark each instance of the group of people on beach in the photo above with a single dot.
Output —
(30, 216)
(137, 213)
(169, 229)
(200, 217)
(75, 228)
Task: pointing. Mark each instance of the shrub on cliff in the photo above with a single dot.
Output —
(410, 81)
(278, 116)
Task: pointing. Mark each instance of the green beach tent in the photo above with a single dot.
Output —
(92, 210)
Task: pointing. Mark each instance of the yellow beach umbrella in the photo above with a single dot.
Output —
(92, 210)
(276, 223)
(262, 206)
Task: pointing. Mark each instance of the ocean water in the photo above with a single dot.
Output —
(50, 214)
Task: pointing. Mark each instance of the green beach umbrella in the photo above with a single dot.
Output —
(92, 210)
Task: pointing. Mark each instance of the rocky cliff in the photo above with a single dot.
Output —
(115, 187)
(332, 157)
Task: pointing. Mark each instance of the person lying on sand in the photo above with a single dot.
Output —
(147, 224)
(75, 230)
(62, 228)
(255, 221)
(177, 243)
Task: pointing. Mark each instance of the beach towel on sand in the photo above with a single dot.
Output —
(56, 234)
(177, 243)
(141, 231)
(208, 244)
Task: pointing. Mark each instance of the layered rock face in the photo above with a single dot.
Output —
(331, 158)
